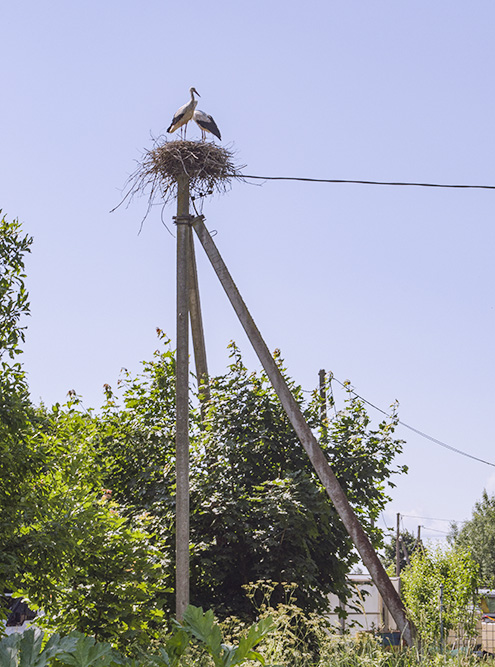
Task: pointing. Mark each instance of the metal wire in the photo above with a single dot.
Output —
(362, 182)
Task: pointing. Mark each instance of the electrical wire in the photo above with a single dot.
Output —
(429, 518)
(415, 430)
(385, 523)
(435, 530)
(362, 182)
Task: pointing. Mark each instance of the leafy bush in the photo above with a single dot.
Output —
(439, 588)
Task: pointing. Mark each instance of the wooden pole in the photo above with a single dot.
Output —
(309, 442)
(182, 400)
(197, 330)
(397, 547)
(323, 397)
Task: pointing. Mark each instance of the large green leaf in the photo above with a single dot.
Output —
(24, 649)
(9, 650)
(89, 653)
(203, 627)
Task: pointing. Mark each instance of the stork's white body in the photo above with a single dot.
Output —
(206, 123)
(183, 115)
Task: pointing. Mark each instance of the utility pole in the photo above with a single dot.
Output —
(182, 399)
(397, 547)
(307, 438)
(441, 620)
(418, 540)
(323, 397)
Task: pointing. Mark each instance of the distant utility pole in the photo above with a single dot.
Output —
(418, 540)
(323, 397)
(441, 620)
(397, 547)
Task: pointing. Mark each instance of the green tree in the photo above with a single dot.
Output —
(478, 535)
(440, 591)
(18, 463)
(258, 510)
(137, 437)
(89, 567)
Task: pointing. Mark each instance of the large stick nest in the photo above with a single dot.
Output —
(209, 167)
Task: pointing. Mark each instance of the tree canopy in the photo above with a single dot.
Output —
(478, 535)
(258, 510)
(18, 464)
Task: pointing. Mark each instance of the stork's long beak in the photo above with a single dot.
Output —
(196, 92)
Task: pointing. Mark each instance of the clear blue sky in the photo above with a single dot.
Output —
(391, 288)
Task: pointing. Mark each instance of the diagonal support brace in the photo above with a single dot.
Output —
(309, 442)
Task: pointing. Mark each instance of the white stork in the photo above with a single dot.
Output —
(183, 115)
(206, 124)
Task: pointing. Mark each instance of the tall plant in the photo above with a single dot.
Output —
(440, 590)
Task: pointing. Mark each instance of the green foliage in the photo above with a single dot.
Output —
(478, 535)
(138, 438)
(79, 650)
(204, 628)
(111, 587)
(25, 650)
(18, 464)
(87, 652)
(440, 591)
(89, 567)
(259, 510)
(175, 647)
(74, 650)
(13, 295)
(299, 637)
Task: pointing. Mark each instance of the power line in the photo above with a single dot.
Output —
(429, 518)
(415, 430)
(435, 530)
(360, 182)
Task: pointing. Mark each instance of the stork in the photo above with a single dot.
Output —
(183, 115)
(206, 124)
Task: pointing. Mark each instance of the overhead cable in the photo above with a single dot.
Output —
(429, 518)
(415, 430)
(361, 182)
